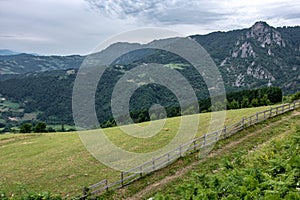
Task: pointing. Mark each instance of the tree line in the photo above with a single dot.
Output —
(234, 100)
(40, 127)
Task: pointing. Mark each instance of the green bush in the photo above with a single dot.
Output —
(30, 196)
(295, 96)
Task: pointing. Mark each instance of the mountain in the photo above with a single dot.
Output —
(257, 56)
(25, 63)
(6, 52)
(248, 58)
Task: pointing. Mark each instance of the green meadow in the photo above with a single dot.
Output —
(59, 162)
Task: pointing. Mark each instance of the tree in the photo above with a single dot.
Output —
(153, 116)
(25, 128)
(106, 124)
(245, 102)
(234, 104)
(254, 102)
(50, 129)
(63, 128)
(7, 128)
(295, 96)
(265, 101)
(40, 127)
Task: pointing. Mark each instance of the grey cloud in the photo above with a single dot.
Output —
(66, 27)
(161, 12)
(7, 36)
(53, 27)
(292, 16)
(178, 16)
(286, 10)
(121, 8)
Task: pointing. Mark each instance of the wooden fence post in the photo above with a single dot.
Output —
(106, 184)
(256, 117)
(122, 179)
(85, 191)
(153, 163)
(141, 169)
(180, 153)
(194, 143)
(243, 122)
(204, 140)
(271, 111)
(294, 105)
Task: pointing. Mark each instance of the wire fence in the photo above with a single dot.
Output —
(202, 144)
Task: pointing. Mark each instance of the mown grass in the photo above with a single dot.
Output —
(59, 162)
(56, 162)
(29, 116)
(170, 129)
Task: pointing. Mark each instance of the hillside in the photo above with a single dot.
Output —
(59, 163)
(6, 52)
(261, 162)
(17, 64)
(259, 55)
(248, 58)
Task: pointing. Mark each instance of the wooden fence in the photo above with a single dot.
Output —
(198, 144)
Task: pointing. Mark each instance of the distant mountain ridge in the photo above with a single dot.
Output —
(25, 63)
(248, 58)
(8, 52)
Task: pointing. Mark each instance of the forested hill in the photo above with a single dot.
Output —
(26, 63)
(259, 55)
(252, 57)
(249, 58)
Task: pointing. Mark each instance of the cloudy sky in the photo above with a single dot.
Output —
(63, 27)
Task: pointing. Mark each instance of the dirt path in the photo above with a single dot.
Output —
(220, 151)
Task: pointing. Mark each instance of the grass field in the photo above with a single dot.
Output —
(59, 163)
(10, 104)
(29, 116)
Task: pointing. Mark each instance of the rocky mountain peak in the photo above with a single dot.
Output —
(258, 42)
(260, 28)
(265, 34)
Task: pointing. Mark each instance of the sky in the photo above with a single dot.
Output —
(65, 27)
